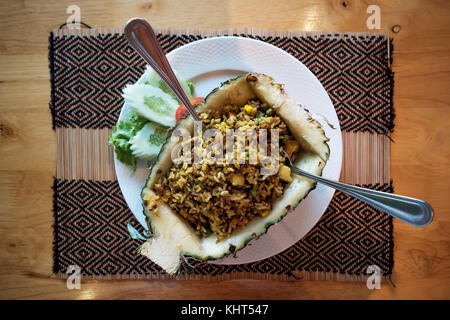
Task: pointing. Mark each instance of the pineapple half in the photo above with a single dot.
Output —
(173, 237)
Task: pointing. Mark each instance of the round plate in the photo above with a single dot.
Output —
(209, 62)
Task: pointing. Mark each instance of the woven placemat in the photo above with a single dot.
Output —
(89, 68)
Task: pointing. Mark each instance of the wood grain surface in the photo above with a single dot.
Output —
(419, 167)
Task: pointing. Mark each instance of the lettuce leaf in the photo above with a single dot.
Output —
(121, 135)
(191, 87)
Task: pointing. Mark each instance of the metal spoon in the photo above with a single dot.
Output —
(142, 38)
(413, 211)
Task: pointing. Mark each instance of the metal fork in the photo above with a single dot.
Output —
(416, 212)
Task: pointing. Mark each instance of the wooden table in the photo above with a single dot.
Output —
(420, 165)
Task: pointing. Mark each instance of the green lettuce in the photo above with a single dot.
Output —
(121, 135)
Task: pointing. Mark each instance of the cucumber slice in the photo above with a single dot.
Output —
(151, 103)
(147, 143)
(153, 79)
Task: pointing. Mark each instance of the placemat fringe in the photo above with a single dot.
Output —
(220, 32)
(300, 275)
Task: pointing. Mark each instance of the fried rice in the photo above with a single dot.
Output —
(220, 197)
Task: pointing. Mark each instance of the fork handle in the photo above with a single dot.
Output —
(410, 210)
(142, 38)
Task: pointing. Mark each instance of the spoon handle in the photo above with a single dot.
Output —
(410, 210)
(142, 38)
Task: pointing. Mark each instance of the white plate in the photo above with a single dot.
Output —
(210, 61)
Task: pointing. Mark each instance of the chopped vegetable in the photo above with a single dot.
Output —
(285, 173)
(269, 111)
(249, 109)
(254, 192)
(181, 110)
(285, 138)
(191, 87)
(237, 179)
